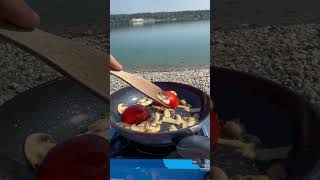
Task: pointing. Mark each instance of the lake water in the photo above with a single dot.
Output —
(166, 45)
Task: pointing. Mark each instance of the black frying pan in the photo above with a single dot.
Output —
(48, 109)
(278, 116)
(185, 138)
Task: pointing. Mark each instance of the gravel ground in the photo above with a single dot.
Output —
(199, 78)
(289, 55)
(20, 71)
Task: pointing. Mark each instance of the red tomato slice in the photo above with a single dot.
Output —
(174, 100)
(80, 158)
(215, 128)
(135, 114)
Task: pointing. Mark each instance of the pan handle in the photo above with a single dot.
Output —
(194, 147)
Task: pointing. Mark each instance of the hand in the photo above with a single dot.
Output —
(19, 13)
(114, 64)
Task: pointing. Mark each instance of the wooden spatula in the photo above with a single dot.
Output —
(146, 87)
(85, 65)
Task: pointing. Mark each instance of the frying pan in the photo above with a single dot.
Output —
(188, 144)
(49, 108)
(277, 115)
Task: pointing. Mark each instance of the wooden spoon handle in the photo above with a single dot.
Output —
(85, 65)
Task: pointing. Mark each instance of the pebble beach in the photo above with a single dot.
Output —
(288, 54)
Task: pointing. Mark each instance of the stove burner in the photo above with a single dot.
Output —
(124, 148)
(155, 150)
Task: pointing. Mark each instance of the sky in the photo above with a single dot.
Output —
(139, 6)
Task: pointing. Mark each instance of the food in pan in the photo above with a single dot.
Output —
(236, 145)
(147, 116)
(81, 157)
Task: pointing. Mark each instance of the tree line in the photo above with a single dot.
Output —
(162, 16)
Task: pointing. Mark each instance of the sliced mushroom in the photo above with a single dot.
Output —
(122, 107)
(218, 174)
(183, 102)
(172, 128)
(163, 98)
(36, 148)
(100, 128)
(249, 150)
(232, 130)
(246, 149)
(196, 115)
(145, 101)
(158, 108)
(173, 92)
(194, 110)
(157, 117)
(161, 108)
(166, 113)
(191, 121)
(184, 124)
(178, 119)
(277, 171)
(125, 125)
(152, 129)
(144, 123)
(137, 128)
(185, 107)
(141, 100)
(170, 120)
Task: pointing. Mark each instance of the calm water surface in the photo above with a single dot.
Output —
(162, 45)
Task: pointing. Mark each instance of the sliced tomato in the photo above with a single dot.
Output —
(135, 114)
(215, 127)
(80, 158)
(174, 100)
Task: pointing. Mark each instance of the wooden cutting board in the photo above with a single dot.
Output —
(85, 65)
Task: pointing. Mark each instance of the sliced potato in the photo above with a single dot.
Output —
(36, 148)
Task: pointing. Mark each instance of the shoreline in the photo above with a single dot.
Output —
(199, 78)
(151, 69)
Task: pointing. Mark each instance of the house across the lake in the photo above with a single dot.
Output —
(137, 20)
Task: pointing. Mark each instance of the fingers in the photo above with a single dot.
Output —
(114, 64)
(19, 13)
